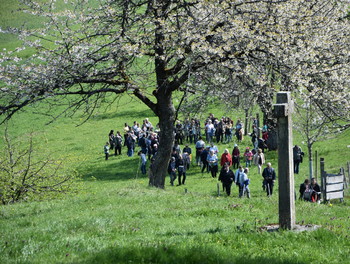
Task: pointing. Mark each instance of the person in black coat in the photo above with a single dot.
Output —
(302, 188)
(226, 177)
(130, 144)
(269, 176)
(204, 155)
(181, 166)
(297, 158)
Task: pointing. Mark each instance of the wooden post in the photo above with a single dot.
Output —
(282, 111)
(342, 172)
(323, 179)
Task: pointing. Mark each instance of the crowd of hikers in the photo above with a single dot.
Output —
(227, 167)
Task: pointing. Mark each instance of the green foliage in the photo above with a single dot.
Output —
(26, 175)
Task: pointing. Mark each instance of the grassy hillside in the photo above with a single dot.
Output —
(116, 218)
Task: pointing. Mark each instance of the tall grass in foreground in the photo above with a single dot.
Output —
(124, 222)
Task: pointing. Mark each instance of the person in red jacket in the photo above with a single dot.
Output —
(235, 156)
(226, 158)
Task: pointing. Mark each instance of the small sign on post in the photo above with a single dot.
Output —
(286, 207)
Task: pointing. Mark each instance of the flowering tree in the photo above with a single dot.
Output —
(315, 125)
(90, 53)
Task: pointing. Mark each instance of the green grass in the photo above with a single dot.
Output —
(116, 218)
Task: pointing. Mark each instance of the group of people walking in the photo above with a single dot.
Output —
(228, 165)
(215, 130)
(145, 136)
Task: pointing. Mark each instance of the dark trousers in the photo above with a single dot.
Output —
(118, 149)
(235, 162)
(269, 187)
(227, 187)
(205, 166)
(183, 175)
(143, 168)
(213, 170)
(172, 177)
(296, 167)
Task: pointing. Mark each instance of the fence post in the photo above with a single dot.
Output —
(323, 178)
(342, 171)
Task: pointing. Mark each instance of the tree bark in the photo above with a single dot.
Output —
(166, 114)
(246, 121)
(311, 172)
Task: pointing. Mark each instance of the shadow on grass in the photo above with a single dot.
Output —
(128, 114)
(114, 169)
(177, 254)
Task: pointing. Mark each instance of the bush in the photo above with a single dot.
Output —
(27, 175)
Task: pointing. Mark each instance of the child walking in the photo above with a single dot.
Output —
(106, 150)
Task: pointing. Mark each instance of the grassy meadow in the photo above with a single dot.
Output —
(114, 217)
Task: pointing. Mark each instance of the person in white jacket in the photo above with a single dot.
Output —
(259, 160)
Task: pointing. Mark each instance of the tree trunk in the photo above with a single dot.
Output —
(246, 121)
(166, 115)
(272, 140)
(270, 121)
(311, 171)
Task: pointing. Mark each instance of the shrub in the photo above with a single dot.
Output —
(28, 174)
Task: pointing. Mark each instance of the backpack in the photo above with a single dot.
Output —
(118, 140)
(307, 194)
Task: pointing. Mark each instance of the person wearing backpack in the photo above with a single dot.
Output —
(259, 159)
(243, 182)
(118, 140)
(238, 175)
(111, 139)
(181, 166)
(297, 158)
(305, 190)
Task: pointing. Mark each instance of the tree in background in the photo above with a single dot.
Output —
(315, 125)
(88, 53)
